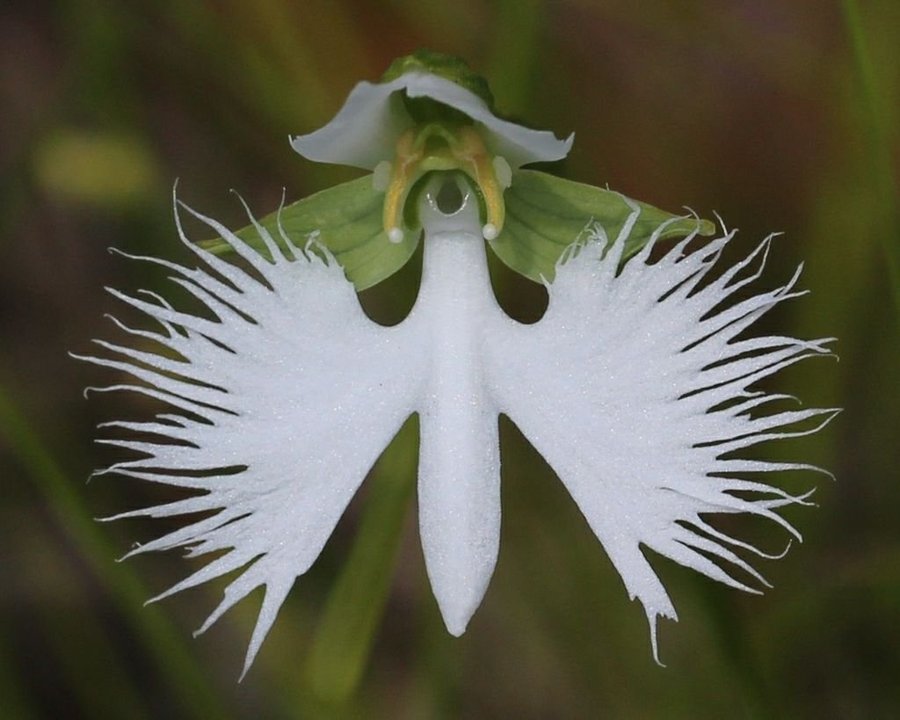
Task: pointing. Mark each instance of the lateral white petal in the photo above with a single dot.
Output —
(288, 394)
(365, 130)
(633, 387)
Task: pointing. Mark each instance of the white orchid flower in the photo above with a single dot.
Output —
(638, 386)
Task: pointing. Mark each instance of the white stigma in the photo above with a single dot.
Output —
(395, 235)
(489, 231)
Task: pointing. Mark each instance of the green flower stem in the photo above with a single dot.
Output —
(162, 643)
(877, 146)
(343, 641)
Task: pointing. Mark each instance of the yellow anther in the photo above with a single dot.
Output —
(436, 147)
(403, 174)
(478, 164)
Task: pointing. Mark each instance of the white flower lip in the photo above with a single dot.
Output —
(365, 130)
(637, 387)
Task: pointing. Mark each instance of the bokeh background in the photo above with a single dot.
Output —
(779, 115)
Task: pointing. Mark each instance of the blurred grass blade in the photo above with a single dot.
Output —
(877, 146)
(13, 701)
(87, 658)
(344, 638)
(515, 52)
(187, 680)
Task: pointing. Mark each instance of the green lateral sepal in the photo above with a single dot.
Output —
(347, 221)
(546, 214)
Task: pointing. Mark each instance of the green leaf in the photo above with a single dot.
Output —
(345, 219)
(546, 214)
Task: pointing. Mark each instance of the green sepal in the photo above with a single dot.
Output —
(546, 214)
(449, 67)
(347, 221)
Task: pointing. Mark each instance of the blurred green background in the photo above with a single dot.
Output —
(779, 115)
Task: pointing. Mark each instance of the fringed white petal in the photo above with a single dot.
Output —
(287, 394)
(365, 130)
(636, 387)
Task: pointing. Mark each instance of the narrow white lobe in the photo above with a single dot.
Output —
(459, 462)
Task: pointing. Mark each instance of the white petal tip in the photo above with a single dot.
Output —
(456, 626)
(458, 611)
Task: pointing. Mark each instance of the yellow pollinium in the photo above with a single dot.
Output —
(436, 147)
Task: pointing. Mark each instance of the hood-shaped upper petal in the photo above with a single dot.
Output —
(366, 128)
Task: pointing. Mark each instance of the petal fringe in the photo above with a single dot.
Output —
(640, 386)
(285, 394)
